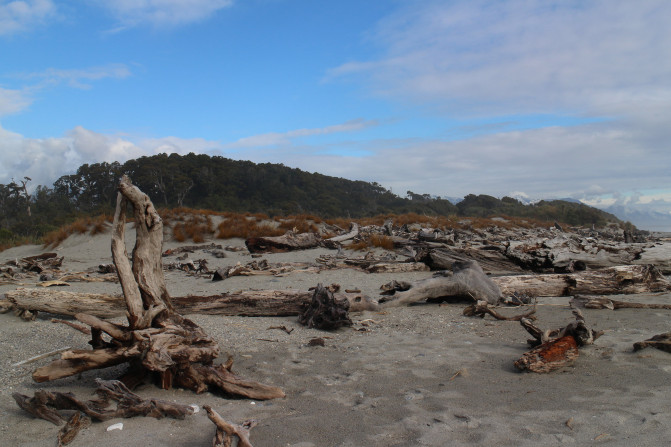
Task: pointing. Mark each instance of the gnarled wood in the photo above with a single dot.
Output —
(157, 339)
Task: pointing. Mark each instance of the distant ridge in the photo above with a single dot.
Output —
(221, 184)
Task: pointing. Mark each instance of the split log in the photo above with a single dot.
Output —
(288, 242)
(251, 303)
(628, 279)
(157, 340)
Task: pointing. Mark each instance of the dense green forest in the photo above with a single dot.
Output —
(221, 184)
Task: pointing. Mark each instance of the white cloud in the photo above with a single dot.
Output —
(17, 16)
(13, 101)
(163, 12)
(519, 56)
(286, 138)
(45, 160)
(79, 77)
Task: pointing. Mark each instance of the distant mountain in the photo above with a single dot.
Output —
(642, 218)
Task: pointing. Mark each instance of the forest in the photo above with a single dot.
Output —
(220, 184)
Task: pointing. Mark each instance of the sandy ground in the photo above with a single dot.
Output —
(394, 384)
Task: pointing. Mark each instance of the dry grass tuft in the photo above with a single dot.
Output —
(299, 224)
(245, 227)
(195, 227)
(92, 225)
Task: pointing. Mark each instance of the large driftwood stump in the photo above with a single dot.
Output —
(467, 280)
(157, 341)
(325, 311)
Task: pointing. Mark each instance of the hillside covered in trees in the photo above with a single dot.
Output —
(221, 184)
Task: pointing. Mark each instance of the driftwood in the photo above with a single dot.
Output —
(158, 341)
(225, 431)
(595, 302)
(325, 311)
(74, 425)
(482, 308)
(45, 404)
(555, 348)
(288, 242)
(661, 341)
(353, 232)
(627, 279)
(468, 280)
(251, 303)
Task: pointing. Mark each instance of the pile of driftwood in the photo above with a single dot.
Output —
(497, 249)
(157, 342)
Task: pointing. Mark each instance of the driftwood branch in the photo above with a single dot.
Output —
(661, 342)
(226, 431)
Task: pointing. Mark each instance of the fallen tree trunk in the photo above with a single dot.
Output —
(288, 242)
(627, 279)
(595, 302)
(259, 303)
(615, 280)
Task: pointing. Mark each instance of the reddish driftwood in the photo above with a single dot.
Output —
(549, 356)
(555, 348)
(157, 340)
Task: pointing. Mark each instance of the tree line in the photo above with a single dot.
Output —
(221, 184)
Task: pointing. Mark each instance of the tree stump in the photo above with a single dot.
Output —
(157, 340)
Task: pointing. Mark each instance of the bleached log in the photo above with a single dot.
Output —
(252, 303)
(354, 232)
(288, 242)
(627, 279)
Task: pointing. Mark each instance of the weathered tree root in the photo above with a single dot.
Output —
(225, 431)
(157, 341)
(45, 404)
(325, 311)
(555, 348)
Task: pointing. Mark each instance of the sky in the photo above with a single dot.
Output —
(536, 99)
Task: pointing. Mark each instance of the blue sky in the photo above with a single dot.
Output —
(540, 99)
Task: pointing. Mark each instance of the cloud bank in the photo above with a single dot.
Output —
(18, 16)
(163, 13)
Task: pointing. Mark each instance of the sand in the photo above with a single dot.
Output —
(415, 376)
